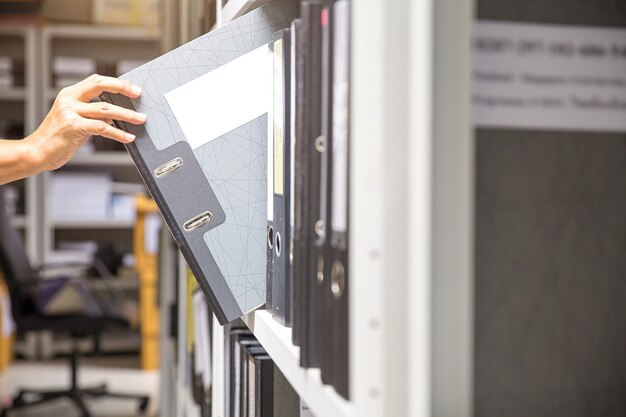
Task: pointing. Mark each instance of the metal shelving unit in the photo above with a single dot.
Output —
(410, 220)
(20, 40)
(411, 176)
(104, 158)
(13, 94)
(93, 224)
(105, 44)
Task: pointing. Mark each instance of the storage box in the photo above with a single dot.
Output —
(107, 12)
(74, 11)
(19, 7)
(126, 12)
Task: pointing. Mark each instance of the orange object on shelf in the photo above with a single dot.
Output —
(146, 259)
(7, 327)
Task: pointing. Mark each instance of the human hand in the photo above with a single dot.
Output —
(73, 118)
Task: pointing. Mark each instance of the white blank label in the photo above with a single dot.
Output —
(225, 98)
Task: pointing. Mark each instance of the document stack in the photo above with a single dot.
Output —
(76, 196)
(68, 70)
(246, 153)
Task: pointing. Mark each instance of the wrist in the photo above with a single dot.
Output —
(31, 155)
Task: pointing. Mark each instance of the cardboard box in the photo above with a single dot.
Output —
(73, 11)
(107, 12)
(19, 7)
(127, 12)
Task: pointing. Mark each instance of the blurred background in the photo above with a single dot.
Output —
(88, 218)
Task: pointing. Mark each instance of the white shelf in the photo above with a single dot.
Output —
(276, 339)
(16, 29)
(12, 94)
(123, 33)
(236, 8)
(93, 224)
(19, 221)
(111, 158)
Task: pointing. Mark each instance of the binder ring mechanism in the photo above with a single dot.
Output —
(320, 144)
(168, 167)
(197, 221)
(338, 279)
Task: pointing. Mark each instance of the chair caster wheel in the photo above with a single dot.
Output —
(18, 402)
(143, 405)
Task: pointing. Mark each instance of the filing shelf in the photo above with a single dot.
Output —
(12, 94)
(410, 219)
(112, 158)
(93, 224)
(78, 31)
(101, 42)
(20, 40)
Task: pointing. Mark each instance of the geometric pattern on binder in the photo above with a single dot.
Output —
(286, 400)
(241, 187)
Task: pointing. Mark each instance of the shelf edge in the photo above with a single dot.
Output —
(276, 339)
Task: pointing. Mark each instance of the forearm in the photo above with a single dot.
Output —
(70, 122)
(17, 160)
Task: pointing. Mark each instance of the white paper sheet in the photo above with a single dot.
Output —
(538, 76)
(151, 236)
(225, 98)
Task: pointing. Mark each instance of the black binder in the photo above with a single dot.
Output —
(245, 400)
(311, 15)
(322, 294)
(261, 394)
(232, 368)
(299, 304)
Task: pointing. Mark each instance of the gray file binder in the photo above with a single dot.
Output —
(213, 197)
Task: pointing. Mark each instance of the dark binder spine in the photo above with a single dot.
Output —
(303, 186)
(265, 388)
(317, 316)
(298, 303)
(323, 338)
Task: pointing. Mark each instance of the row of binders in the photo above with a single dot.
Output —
(307, 233)
(256, 387)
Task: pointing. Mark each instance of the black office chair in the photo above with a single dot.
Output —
(23, 281)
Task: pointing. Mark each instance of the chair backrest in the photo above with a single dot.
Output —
(14, 261)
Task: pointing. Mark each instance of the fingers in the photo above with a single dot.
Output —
(106, 111)
(93, 86)
(101, 128)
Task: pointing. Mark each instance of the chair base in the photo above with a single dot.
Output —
(77, 396)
